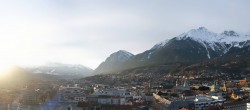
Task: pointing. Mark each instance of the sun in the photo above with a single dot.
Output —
(4, 71)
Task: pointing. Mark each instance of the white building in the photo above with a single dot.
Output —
(113, 92)
(71, 94)
(111, 100)
(114, 96)
(248, 106)
(202, 102)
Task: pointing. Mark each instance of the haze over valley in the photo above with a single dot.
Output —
(124, 55)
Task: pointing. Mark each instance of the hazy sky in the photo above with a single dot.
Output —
(86, 32)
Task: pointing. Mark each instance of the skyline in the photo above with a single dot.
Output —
(87, 32)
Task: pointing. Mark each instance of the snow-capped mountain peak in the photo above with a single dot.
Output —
(120, 55)
(200, 34)
(230, 33)
(204, 35)
(114, 60)
(230, 37)
(56, 68)
(215, 42)
(196, 45)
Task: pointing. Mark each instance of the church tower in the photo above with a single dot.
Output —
(225, 87)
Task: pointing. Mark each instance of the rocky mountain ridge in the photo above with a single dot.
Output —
(194, 46)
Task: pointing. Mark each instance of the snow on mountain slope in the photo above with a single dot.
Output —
(231, 36)
(211, 41)
(159, 45)
(119, 56)
(216, 42)
(128, 54)
(61, 69)
(190, 47)
(202, 34)
(113, 61)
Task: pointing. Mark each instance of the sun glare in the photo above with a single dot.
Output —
(4, 70)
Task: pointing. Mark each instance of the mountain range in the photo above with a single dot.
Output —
(192, 47)
(61, 69)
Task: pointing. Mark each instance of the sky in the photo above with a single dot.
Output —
(33, 32)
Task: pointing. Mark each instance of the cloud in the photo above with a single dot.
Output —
(86, 32)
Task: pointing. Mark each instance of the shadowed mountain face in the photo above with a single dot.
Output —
(114, 62)
(194, 46)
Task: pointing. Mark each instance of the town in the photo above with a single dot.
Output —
(124, 55)
(118, 92)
